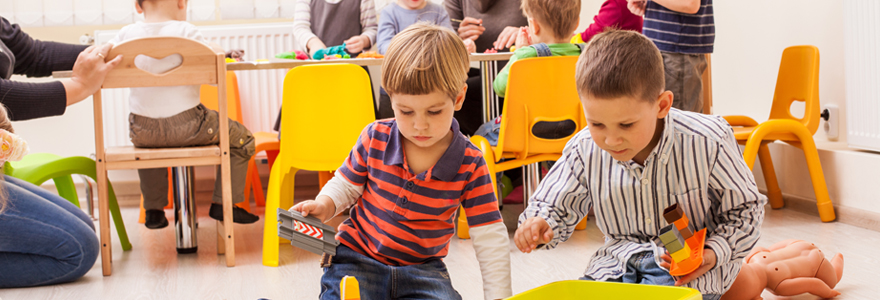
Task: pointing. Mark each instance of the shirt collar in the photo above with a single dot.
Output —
(445, 168)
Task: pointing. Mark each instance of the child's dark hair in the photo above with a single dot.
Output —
(619, 63)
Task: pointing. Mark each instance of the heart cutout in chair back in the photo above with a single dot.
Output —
(158, 66)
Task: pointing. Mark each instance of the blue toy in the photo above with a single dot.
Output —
(330, 51)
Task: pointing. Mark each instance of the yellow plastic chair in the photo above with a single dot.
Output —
(798, 80)
(538, 90)
(324, 109)
(583, 289)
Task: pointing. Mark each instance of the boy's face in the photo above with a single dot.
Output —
(626, 127)
(424, 120)
(413, 4)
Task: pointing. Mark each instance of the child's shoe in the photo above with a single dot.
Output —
(155, 219)
(239, 215)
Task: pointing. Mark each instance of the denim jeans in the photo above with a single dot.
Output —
(377, 280)
(44, 239)
(642, 269)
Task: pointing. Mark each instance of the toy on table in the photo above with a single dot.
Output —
(684, 246)
(308, 233)
(349, 289)
(490, 51)
(295, 54)
(787, 268)
(370, 54)
(331, 51)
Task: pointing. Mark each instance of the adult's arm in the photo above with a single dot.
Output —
(302, 24)
(35, 58)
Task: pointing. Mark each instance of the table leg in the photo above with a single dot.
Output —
(184, 209)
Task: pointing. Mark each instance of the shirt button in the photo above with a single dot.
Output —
(210, 130)
(645, 181)
(409, 184)
(403, 200)
(648, 220)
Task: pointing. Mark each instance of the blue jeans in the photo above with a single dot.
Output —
(44, 239)
(642, 269)
(377, 280)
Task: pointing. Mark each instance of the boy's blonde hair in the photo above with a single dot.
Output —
(560, 15)
(423, 59)
(619, 63)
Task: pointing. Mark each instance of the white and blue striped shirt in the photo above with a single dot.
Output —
(696, 164)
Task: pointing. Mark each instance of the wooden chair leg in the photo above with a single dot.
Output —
(104, 220)
(774, 194)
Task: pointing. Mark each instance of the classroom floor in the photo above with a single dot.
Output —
(153, 269)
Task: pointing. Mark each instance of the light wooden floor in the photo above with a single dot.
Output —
(153, 269)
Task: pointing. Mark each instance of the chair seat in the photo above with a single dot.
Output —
(131, 153)
(743, 133)
(266, 141)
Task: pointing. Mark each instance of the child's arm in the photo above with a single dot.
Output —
(302, 28)
(500, 83)
(387, 30)
(491, 241)
(740, 207)
(610, 15)
(562, 199)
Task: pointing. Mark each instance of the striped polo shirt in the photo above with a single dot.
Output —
(404, 218)
(680, 32)
(696, 164)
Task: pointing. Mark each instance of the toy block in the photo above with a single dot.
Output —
(669, 234)
(307, 233)
(673, 213)
(687, 232)
(349, 289)
(682, 254)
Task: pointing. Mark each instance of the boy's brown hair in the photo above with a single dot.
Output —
(620, 63)
(561, 16)
(425, 58)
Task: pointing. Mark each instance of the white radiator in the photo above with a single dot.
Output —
(260, 90)
(862, 56)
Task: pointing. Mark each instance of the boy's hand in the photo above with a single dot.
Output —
(469, 45)
(637, 7)
(533, 232)
(709, 260)
(316, 208)
(523, 39)
(356, 44)
(470, 28)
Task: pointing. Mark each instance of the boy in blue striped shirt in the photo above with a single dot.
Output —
(684, 31)
(638, 156)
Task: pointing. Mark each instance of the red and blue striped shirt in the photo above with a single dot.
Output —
(404, 218)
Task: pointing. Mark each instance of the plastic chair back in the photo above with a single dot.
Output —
(324, 109)
(798, 80)
(541, 92)
(208, 97)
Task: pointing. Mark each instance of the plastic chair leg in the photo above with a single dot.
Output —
(279, 188)
(774, 194)
(323, 178)
(823, 201)
(582, 224)
(464, 231)
(66, 189)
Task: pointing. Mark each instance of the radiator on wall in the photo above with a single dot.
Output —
(260, 90)
(862, 62)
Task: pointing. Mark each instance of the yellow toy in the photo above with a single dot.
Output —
(685, 247)
(349, 289)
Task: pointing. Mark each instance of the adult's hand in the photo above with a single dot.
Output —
(89, 71)
(314, 44)
(471, 28)
(507, 38)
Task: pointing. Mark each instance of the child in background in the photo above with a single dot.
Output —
(318, 24)
(407, 177)
(613, 14)
(637, 157)
(684, 31)
(551, 24)
(173, 117)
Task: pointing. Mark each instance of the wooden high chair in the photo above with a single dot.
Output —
(202, 64)
(540, 91)
(798, 80)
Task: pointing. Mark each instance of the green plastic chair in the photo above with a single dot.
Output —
(37, 168)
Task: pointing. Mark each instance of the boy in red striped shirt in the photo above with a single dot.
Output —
(406, 178)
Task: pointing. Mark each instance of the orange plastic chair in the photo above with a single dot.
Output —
(320, 123)
(538, 90)
(798, 80)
